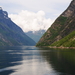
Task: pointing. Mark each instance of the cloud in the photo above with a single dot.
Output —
(49, 6)
(31, 21)
(30, 18)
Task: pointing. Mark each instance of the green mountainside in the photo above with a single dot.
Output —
(10, 33)
(68, 41)
(63, 26)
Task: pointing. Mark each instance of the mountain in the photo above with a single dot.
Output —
(67, 41)
(36, 35)
(62, 27)
(10, 33)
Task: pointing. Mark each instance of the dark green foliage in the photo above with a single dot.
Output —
(54, 30)
(68, 41)
(62, 20)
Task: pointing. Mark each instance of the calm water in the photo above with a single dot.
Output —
(30, 60)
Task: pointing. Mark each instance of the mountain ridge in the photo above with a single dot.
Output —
(10, 33)
(62, 27)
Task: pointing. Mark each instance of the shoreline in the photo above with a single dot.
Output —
(62, 47)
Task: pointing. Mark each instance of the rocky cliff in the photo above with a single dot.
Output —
(62, 26)
(10, 33)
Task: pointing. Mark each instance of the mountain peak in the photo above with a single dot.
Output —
(0, 8)
(3, 13)
(10, 33)
(70, 10)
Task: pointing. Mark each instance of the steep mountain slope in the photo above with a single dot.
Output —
(36, 35)
(67, 41)
(62, 26)
(10, 33)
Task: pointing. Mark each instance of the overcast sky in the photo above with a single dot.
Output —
(33, 15)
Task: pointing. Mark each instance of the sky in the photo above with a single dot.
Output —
(34, 15)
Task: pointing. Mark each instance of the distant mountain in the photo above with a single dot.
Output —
(10, 33)
(63, 26)
(36, 35)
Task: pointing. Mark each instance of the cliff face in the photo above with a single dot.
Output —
(62, 26)
(70, 11)
(10, 33)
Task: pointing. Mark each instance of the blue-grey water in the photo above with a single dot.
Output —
(30, 60)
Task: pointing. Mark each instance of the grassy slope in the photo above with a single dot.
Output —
(68, 41)
(54, 30)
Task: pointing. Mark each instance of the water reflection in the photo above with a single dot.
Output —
(9, 57)
(23, 60)
(30, 60)
(61, 60)
(32, 64)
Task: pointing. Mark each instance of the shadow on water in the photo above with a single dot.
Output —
(61, 60)
(9, 56)
(12, 56)
(30, 60)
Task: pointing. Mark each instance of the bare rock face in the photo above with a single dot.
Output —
(70, 10)
(62, 26)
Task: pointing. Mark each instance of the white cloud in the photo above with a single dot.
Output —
(49, 6)
(30, 21)
(34, 20)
